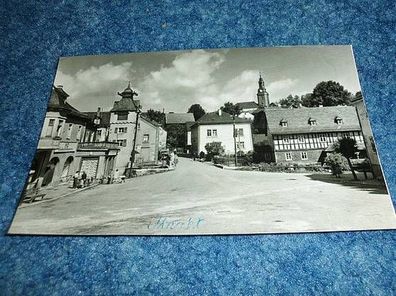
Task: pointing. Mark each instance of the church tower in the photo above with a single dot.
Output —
(262, 94)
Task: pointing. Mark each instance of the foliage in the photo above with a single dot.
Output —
(347, 147)
(176, 135)
(197, 110)
(290, 102)
(156, 116)
(327, 93)
(213, 148)
(202, 155)
(336, 162)
(231, 108)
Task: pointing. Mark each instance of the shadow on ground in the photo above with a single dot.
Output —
(371, 186)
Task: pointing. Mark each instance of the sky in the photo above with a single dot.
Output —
(175, 80)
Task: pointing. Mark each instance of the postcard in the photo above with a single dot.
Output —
(206, 142)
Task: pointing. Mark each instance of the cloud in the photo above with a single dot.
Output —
(86, 86)
(281, 88)
(187, 80)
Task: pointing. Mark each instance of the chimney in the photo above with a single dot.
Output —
(220, 112)
(98, 112)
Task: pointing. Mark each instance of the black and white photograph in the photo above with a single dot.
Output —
(206, 142)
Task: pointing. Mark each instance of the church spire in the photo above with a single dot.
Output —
(262, 94)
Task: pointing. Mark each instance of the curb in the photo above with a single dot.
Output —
(24, 205)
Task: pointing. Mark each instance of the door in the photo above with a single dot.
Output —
(89, 165)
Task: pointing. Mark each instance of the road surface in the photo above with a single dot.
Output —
(198, 198)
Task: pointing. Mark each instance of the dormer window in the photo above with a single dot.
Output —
(283, 123)
(312, 121)
(338, 120)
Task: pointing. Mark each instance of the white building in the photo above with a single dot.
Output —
(150, 137)
(218, 127)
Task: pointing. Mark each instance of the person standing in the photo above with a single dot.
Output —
(76, 179)
(83, 179)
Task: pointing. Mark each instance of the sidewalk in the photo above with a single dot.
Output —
(53, 193)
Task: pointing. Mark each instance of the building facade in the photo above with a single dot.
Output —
(129, 129)
(302, 135)
(368, 137)
(67, 144)
(219, 127)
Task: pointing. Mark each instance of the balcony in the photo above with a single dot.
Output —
(48, 143)
(97, 145)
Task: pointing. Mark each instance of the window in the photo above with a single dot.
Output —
(241, 145)
(122, 130)
(322, 138)
(99, 132)
(312, 121)
(338, 120)
(288, 156)
(286, 140)
(78, 136)
(209, 133)
(214, 133)
(122, 143)
(283, 123)
(146, 138)
(122, 116)
(59, 128)
(69, 131)
(301, 139)
(50, 128)
(345, 135)
(239, 132)
(304, 155)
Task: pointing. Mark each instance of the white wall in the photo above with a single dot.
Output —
(124, 154)
(225, 136)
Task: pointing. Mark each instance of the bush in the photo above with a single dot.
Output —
(213, 149)
(202, 155)
(337, 163)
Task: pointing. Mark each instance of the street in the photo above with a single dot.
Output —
(198, 198)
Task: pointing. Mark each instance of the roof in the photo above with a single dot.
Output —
(176, 118)
(104, 118)
(153, 122)
(58, 103)
(125, 104)
(224, 118)
(297, 119)
(247, 105)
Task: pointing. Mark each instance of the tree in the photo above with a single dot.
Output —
(336, 162)
(156, 116)
(231, 108)
(197, 110)
(176, 135)
(214, 148)
(306, 100)
(347, 147)
(290, 102)
(329, 93)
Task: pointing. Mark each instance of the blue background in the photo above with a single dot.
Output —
(35, 33)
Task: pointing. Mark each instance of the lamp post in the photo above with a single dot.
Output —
(138, 111)
(235, 144)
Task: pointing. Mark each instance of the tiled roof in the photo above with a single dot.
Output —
(125, 104)
(104, 118)
(153, 122)
(174, 118)
(247, 105)
(58, 103)
(224, 118)
(297, 119)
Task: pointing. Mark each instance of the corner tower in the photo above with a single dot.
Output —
(262, 94)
